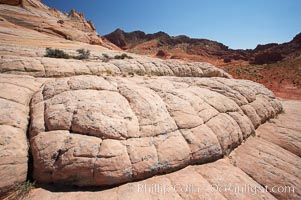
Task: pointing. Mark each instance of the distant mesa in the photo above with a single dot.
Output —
(182, 47)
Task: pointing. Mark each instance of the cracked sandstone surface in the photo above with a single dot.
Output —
(89, 130)
(259, 162)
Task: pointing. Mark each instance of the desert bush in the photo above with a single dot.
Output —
(158, 73)
(19, 191)
(109, 72)
(83, 54)
(123, 56)
(131, 74)
(106, 57)
(56, 53)
(139, 72)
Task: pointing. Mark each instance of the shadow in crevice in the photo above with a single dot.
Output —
(29, 153)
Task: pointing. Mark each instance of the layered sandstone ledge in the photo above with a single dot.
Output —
(34, 15)
(51, 67)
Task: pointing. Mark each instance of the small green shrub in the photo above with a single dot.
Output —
(83, 54)
(106, 57)
(253, 134)
(19, 191)
(131, 74)
(139, 72)
(117, 57)
(56, 53)
(123, 56)
(109, 72)
(157, 73)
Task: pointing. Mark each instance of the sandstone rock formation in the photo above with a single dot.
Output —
(258, 164)
(285, 129)
(40, 18)
(11, 2)
(50, 67)
(88, 130)
(15, 95)
(23, 3)
(104, 121)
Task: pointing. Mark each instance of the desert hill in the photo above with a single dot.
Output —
(277, 66)
(38, 17)
(140, 42)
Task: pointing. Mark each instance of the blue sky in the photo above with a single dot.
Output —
(239, 24)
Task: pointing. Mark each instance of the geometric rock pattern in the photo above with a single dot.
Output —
(89, 130)
(261, 163)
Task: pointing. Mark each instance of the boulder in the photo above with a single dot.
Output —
(94, 131)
